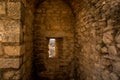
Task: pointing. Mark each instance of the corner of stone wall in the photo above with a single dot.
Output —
(27, 40)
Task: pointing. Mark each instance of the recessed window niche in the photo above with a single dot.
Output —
(55, 47)
(52, 47)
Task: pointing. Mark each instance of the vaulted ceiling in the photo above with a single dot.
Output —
(75, 5)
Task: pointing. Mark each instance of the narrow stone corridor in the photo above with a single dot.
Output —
(53, 19)
(59, 39)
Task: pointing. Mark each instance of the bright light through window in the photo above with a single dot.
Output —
(51, 48)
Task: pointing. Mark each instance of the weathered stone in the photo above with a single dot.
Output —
(58, 24)
(112, 50)
(115, 58)
(110, 23)
(1, 26)
(117, 38)
(105, 62)
(118, 46)
(1, 49)
(2, 8)
(1, 36)
(113, 76)
(107, 37)
(9, 62)
(1, 30)
(116, 67)
(91, 25)
(11, 37)
(105, 75)
(11, 31)
(12, 50)
(102, 23)
(104, 50)
(14, 10)
(12, 25)
(98, 47)
(11, 75)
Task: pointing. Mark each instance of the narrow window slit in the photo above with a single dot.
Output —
(52, 47)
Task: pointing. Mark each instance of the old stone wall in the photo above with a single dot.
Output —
(53, 19)
(27, 40)
(10, 48)
(15, 40)
(87, 33)
(97, 40)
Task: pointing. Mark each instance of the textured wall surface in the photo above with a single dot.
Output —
(53, 19)
(10, 48)
(97, 48)
(87, 33)
(27, 40)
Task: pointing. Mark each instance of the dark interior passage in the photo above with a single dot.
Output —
(85, 37)
(53, 22)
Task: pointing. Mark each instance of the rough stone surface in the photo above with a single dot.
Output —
(2, 8)
(54, 19)
(104, 50)
(87, 36)
(14, 9)
(15, 75)
(118, 46)
(105, 75)
(10, 39)
(116, 67)
(97, 32)
(1, 49)
(114, 76)
(112, 50)
(10, 30)
(9, 63)
(107, 38)
(117, 38)
(12, 50)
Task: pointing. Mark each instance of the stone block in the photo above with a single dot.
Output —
(1, 26)
(11, 37)
(9, 62)
(118, 46)
(1, 35)
(11, 75)
(117, 38)
(105, 62)
(2, 8)
(107, 37)
(11, 31)
(12, 50)
(112, 50)
(104, 50)
(105, 75)
(1, 49)
(114, 76)
(116, 67)
(12, 25)
(14, 10)
(1, 30)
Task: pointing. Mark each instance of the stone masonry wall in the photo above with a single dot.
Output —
(10, 47)
(90, 49)
(15, 40)
(27, 40)
(97, 39)
(53, 19)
